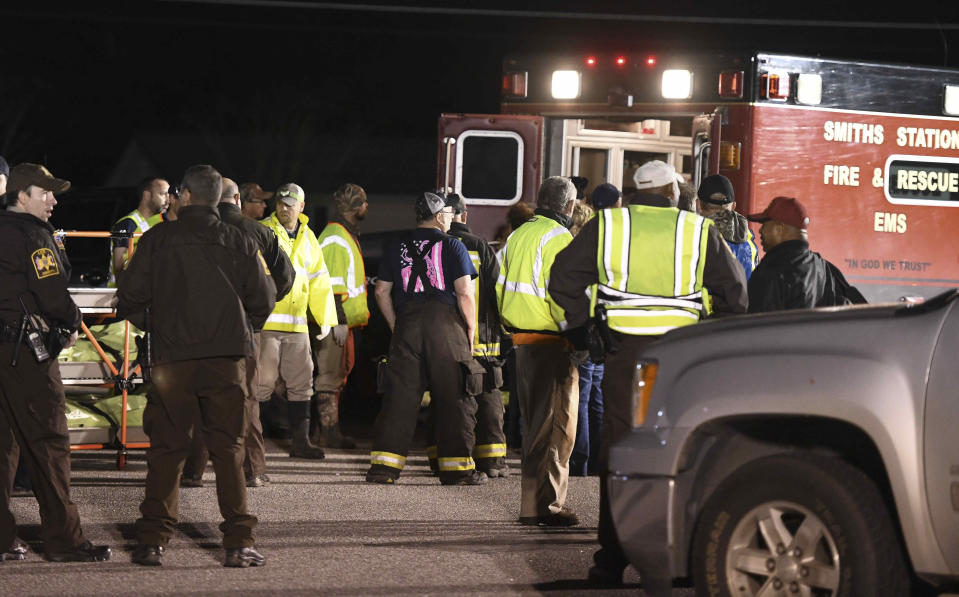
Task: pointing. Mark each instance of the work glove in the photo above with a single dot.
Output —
(340, 334)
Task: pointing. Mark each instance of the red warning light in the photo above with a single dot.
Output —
(650, 61)
(591, 61)
(620, 61)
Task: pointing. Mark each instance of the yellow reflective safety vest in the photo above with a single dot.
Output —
(311, 286)
(143, 224)
(650, 262)
(347, 273)
(526, 260)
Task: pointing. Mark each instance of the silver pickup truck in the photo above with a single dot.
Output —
(797, 453)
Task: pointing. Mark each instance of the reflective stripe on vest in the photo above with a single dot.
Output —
(527, 258)
(650, 263)
(347, 271)
(311, 286)
(143, 224)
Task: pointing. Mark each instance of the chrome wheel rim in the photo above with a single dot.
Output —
(782, 548)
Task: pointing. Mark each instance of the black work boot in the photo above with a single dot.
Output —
(147, 555)
(300, 425)
(331, 437)
(85, 552)
(17, 550)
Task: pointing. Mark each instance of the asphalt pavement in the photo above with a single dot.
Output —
(325, 532)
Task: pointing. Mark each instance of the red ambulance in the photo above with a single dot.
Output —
(872, 150)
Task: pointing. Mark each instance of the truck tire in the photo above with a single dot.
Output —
(797, 524)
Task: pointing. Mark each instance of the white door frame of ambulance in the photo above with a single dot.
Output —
(616, 143)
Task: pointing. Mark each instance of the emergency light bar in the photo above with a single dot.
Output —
(566, 84)
(677, 84)
(950, 100)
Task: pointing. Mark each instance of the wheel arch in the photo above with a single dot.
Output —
(718, 448)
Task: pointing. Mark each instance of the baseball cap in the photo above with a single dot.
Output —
(653, 174)
(430, 203)
(25, 175)
(290, 194)
(716, 184)
(605, 195)
(250, 191)
(787, 210)
(455, 201)
(4, 167)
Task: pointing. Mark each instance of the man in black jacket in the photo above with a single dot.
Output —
(790, 276)
(281, 271)
(34, 274)
(208, 290)
(490, 449)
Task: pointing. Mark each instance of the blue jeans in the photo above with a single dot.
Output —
(585, 457)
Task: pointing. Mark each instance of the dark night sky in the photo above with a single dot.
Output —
(316, 93)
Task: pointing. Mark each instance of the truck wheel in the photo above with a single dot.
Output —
(803, 524)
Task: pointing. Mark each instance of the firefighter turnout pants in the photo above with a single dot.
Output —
(429, 349)
(548, 388)
(216, 387)
(490, 450)
(32, 406)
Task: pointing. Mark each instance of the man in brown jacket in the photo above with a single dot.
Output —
(207, 289)
(649, 266)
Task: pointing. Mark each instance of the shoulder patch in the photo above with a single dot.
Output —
(45, 263)
(259, 256)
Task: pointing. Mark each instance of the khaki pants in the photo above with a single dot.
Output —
(333, 364)
(217, 388)
(548, 388)
(32, 419)
(286, 356)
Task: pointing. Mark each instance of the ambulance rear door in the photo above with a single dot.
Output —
(493, 161)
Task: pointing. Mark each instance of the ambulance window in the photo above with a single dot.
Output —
(489, 166)
(634, 159)
(592, 164)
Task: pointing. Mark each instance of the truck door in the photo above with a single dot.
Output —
(492, 161)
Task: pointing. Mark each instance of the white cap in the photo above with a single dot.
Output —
(656, 173)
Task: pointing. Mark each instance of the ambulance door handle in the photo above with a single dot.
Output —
(449, 142)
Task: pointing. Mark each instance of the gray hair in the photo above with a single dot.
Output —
(229, 190)
(555, 193)
(204, 183)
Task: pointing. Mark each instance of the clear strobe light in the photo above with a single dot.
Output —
(565, 84)
(677, 84)
(950, 100)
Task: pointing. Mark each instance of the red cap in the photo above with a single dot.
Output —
(787, 210)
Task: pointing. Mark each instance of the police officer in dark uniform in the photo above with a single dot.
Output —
(208, 289)
(37, 319)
